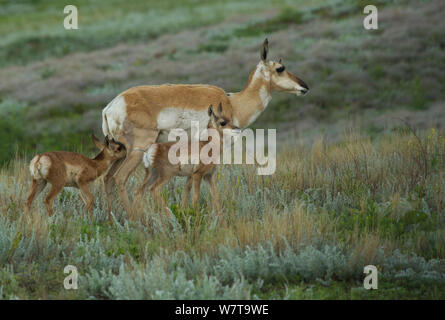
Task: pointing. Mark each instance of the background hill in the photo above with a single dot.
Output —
(55, 82)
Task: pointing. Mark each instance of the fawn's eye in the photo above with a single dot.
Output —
(223, 123)
(280, 69)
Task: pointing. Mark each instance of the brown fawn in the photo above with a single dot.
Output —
(159, 169)
(70, 169)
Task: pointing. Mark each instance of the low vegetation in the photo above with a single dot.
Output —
(305, 232)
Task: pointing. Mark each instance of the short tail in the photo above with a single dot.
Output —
(150, 155)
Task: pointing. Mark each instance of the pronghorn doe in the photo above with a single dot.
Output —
(69, 169)
(144, 115)
(162, 170)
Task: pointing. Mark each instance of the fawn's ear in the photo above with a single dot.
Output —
(210, 111)
(97, 143)
(220, 108)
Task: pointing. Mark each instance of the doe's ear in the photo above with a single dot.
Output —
(97, 143)
(210, 110)
(265, 50)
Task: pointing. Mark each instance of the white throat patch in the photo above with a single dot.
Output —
(265, 96)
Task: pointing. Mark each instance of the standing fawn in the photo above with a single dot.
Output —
(159, 169)
(69, 169)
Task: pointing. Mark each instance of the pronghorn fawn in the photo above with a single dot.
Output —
(69, 169)
(159, 168)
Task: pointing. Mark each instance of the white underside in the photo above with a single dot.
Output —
(177, 118)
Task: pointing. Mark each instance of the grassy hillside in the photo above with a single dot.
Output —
(360, 173)
(57, 81)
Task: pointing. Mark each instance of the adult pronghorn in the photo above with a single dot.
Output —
(143, 115)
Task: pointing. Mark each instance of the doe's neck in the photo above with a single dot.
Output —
(249, 103)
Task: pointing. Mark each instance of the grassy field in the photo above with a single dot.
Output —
(354, 185)
(305, 232)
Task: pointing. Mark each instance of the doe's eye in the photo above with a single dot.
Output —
(280, 69)
(223, 123)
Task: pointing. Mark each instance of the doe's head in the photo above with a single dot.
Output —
(280, 78)
(111, 148)
(220, 122)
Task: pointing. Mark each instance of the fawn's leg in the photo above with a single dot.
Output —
(196, 189)
(36, 188)
(88, 199)
(84, 200)
(216, 201)
(155, 189)
(187, 187)
(141, 189)
(49, 199)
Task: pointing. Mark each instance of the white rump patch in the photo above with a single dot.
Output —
(113, 117)
(39, 168)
